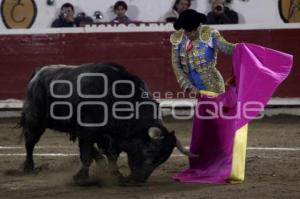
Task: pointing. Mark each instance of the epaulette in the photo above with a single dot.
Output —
(176, 37)
(205, 33)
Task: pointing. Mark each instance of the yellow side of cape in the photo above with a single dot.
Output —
(239, 149)
(239, 155)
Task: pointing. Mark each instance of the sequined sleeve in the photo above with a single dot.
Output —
(181, 76)
(222, 44)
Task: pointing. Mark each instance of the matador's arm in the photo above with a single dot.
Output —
(181, 76)
(220, 43)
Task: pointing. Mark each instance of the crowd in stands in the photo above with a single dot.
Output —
(220, 13)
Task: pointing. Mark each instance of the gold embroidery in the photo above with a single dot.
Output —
(176, 37)
(222, 44)
(205, 33)
(196, 58)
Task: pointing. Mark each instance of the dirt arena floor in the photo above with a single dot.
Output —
(272, 168)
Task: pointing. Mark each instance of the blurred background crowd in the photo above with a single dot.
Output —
(219, 13)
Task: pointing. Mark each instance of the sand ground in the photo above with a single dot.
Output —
(269, 173)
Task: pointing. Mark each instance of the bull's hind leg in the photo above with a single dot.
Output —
(32, 136)
(86, 157)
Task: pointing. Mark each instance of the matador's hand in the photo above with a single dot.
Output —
(194, 90)
(230, 82)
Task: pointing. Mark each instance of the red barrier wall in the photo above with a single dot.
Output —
(146, 54)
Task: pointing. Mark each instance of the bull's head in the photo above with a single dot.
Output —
(148, 152)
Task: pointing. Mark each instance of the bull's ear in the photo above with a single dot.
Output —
(155, 133)
(172, 132)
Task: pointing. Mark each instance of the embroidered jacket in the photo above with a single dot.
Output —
(197, 67)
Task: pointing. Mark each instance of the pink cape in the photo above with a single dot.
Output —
(258, 71)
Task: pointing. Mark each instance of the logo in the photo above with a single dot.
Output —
(18, 13)
(92, 110)
(290, 10)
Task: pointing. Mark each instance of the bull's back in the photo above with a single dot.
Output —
(65, 96)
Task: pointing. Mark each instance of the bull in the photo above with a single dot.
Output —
(82, 101)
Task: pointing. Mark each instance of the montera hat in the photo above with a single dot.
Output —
(189, 20)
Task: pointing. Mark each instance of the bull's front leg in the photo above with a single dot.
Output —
(114, 171)
(86, 157)
(113, 167)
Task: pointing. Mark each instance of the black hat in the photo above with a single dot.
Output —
(189, 20)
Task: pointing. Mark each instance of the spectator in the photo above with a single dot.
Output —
(221, 14)
(82, 19)
(178, 7)
(66, 17)
(120, 9)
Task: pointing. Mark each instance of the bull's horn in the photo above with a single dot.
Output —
(181, 148)
(155, 133)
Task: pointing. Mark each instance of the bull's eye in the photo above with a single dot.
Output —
(149, 152)
(153, 147)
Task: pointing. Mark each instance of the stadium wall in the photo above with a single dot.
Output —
(144, 50)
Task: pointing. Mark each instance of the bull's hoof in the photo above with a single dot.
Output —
(82, 178)
(128, 182)
(116, 174)
(28, 167)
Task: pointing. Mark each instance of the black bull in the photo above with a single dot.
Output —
(94, 104)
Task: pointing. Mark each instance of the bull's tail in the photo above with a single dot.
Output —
(22, 121)
(21, 124)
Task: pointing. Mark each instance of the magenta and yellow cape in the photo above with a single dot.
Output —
(221, 141)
